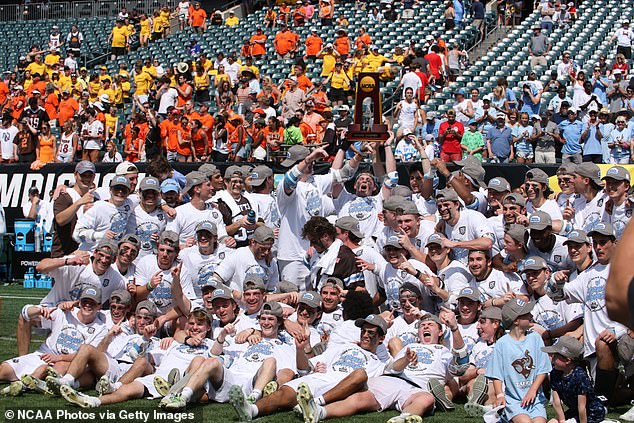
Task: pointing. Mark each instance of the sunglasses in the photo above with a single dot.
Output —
(564, 180)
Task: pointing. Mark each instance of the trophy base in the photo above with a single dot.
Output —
(377, 134)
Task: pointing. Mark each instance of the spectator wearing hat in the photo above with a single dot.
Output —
(619, 142)
(591, 139)
(617, 91)
(118, 39)
(407, 148)
(106, 219)
(587, 209)
(76, 325)
(624, 37)
(570, 131)
(472, 142)
(618, 208)
(463, 107)
(293, 99)
(326, 12)
(538, 47)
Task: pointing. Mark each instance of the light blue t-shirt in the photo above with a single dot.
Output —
(523, 145)
(571, 132)
(591, 145)
(517, 364)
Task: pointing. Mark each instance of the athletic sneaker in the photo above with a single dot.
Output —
(37, 385)
(406, 418)
(162, 386)
(438, 390)
(104, 386)
(628, 416)
(52, 372)
(479, 390)
(174, 376)
(239, 402)
(173, 402)
(54, 383)
(14, 389)
(269, 388)
(77, 398)
(312, 412)
(476, 410)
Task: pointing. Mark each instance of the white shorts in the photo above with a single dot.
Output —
(116, 369)
(92, 145)
(26, 364)
(391, 392)
(65, 158)
(229, 378)
(319, 383)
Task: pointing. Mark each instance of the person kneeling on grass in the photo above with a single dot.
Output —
(337, 363)
(178, 356)
(571, 384)
(114, 355)
(412, 380)
(69, 330)
(255, 368)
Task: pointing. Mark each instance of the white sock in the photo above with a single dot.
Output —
(253, 410)
(97, 401)
(68, 378)
(187, 394)
(320, 400)
(322, 412)
(117, 385)
(256, 393)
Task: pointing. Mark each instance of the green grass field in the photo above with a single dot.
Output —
(14, 297)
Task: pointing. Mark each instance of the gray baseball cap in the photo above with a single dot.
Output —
(284, 287)
(149, 306)
(222, 291)
(618, 173)
(122, 296)
(150, 183)
(567, 346)
(295, 154)
(91, 292)
(515, 308)
(468, 160)
(208, 169)
(334, 282)
(472, 294)
(499, 184)
(539, 221)
(85, 166)
(350, 224)
(232, 170)
(253, 282)
(533, 263)
(447, 194)
(409, 207)
(402, 191)
(169, 238)
(493, 313)
(393, 241)
(393, 203)
(515, 198)
(589, 170)
(518, 233)
(259, 175)
(603, 229)
(120, 181)
(374, 320)
(475, 172)
(537, 175)
(108, 243)
(131, 239)
(578, 236)
(566, 169)
(208, 226)
(273, 308)
(435, 238)
(263, 235)
(193, 179)
(408, 286)
(311, 299)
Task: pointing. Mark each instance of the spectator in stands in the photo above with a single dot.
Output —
(570, 136)
(118, 39)
(500, 142)
(232, 20)
(198, 18)
(538, 47)
(450, 133)
(624, 37)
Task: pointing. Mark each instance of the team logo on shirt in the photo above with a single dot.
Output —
(628, 213)
(350, 360)
(69, 340)
(145, 231)
(600, 202)
(550, 319)
(423, 356)
(361, 208)
(524, 365)
(482, 358)
(462, 230)
(595, 295)
(118, 223)
(258, 352)
(205, 273)
(557, 259)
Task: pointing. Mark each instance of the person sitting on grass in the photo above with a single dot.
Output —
(571, 384)
(70, 328)
(177, 356)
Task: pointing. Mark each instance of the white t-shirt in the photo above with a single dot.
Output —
(432, 363)
(103, 216)
(91, 134)
(370, 255)
(471, 225)
(549, 207)
(481, 354)
(365, 209)
(551, 316)
(70, 281)
(341, 360)
(589, 290)
(589, 213)
(266, 208)
(68, 333)
(406, 332)
(161, 296)
(391, 279)
(499, 283)
(198, 269)
(330, 321)
(44, 212)
(242, 263)
(296, 209)
(144, 225)
(7, 135)
(127, 347)
(187, 217)
(168, 99)
(453, 278)
(230, 347)
(619, 218)
(251, 360)
(557, 258)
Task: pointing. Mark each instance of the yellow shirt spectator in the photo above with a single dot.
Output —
(111, 93)
(252, 68)
(34, 67)
(119, 36)
(375, 61)
(339, 80)
(144, 27)
(50, 59)
(142, 81)
(111, 124)
(328, 65)
(232, 21)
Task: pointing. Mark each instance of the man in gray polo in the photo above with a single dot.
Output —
(538, 48)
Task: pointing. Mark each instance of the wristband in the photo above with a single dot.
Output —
(418, 274)
(149, 286)
(187, 338)
(65, 261)
(500, 395)
(219, 341)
